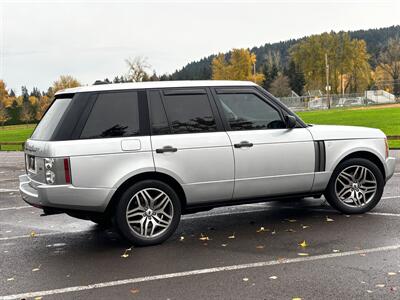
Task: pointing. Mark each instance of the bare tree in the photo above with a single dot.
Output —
(390, 62)
(137, 68)
(280, 87)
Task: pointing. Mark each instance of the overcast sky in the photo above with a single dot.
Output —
(40, 40)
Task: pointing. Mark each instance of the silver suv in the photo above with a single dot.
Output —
(139, 155)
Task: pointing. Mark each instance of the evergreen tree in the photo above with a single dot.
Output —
(270, 74)
(25, 94)
(36, 93)
(12, 93)
(296, 78)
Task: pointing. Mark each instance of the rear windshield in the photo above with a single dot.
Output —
(48, 124)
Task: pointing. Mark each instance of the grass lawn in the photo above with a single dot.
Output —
(386, 119)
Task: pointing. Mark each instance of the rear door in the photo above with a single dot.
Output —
(189, 143)
(269, 158)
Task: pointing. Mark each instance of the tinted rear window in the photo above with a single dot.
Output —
(45, 129)
(189, 113)
(113, 115)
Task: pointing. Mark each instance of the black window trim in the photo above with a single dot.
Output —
(144, 126)
(243, 90)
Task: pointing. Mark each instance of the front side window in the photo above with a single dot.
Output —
(189, 113)
(247, 111)
(113, 115)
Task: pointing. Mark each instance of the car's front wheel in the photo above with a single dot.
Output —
(148, 213)
(356, 186)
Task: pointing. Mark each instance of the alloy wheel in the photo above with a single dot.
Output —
(356, 186)
(149, 212)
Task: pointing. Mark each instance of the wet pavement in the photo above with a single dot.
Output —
(239, 252)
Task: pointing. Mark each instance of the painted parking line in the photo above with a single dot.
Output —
(25, 236)
(8, 190)
(15, 207)
(198, 272)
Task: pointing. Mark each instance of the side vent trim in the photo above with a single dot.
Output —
(320, 156)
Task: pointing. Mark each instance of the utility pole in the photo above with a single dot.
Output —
(327, 88)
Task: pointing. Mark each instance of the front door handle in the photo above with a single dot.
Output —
(243, 144)
(166, 149)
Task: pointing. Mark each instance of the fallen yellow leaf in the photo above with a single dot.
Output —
(231, 236)
(296, 298)
(38, 298)
(245, 279)
(203, 237)
(392, 273)
(224, 245)
(181, 238)
(273, 232)
(125, 255)
(260, 247)
(10, 279)
(335, 250)
(33, 234)
(273, 277)
(305, 226)
(329, 219)
(302, 254)
(380, 285)
(262, 229)
(303, 244)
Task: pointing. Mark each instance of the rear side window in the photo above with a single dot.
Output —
(44, 131)
(189, 113)
(113, 115)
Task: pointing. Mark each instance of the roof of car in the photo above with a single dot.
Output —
(155, 84)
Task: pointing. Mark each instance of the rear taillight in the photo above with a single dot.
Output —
(57, 170)
(67, 173)
(386, 148)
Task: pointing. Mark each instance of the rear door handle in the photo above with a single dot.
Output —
(166, 149)
(243, 144)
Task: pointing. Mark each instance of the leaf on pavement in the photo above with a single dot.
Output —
(363, 254)
(38, 298)
(302, 254)
(261, 229)
(291, 220)
(392, 273)
(224, 245)
(232, 236)
(204, 237)
(125, 255)
(290, 230)
(134, 291)
(296, 298)
(305, 226)
(380, 285)
(10, 279)
(273, 232)
(260, 247)
(33, 234)
(335, 250)
(181, 238)
(273, 277)
(245, 279)
(329, 219)
(36, 269)
(303, 244)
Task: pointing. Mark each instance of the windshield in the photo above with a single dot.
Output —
(48, 124)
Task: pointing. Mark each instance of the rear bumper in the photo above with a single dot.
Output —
(64, 196)
(390, 167)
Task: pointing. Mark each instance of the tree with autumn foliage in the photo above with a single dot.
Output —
(239, 67)
(390, 63)
(349, 69)
(64, 82)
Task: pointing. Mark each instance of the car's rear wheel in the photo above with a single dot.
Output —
(148, 213)
(356, 186)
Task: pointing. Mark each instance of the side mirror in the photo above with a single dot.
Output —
(290, 121)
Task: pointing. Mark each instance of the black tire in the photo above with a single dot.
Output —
(333, 199)
(121, 221)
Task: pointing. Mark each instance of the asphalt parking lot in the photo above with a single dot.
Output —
(240, 252)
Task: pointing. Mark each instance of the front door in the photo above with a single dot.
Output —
(189, 143)
(270, 159)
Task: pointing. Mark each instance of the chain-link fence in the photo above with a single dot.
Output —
(337, 101)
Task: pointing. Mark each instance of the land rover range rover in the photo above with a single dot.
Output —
(142, 154)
